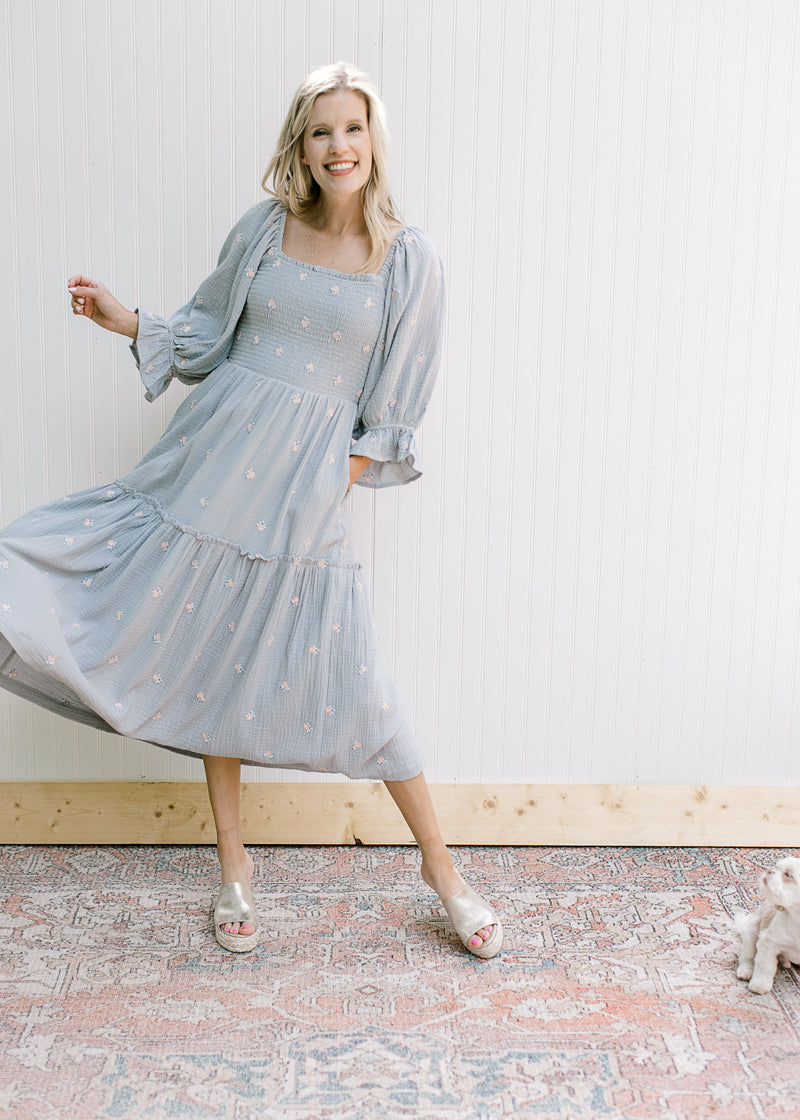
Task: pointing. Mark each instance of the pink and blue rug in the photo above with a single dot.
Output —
(615, 996)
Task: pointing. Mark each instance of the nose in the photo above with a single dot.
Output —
(337, 142)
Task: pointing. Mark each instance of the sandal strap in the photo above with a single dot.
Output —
(235, 903)
(468, 912)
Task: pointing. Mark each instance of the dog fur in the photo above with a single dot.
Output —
(771, 936)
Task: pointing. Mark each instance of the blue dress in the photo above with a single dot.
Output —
(209, 601)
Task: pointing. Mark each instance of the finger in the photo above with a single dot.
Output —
(79, 280)
(85, 290)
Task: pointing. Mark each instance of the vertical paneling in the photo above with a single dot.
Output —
(598, 579)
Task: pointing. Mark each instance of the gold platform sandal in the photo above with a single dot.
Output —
(235, 903)
(469, 912)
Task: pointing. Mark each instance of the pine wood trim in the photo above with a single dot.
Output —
(363, 813)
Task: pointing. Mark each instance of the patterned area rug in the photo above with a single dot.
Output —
(614, 997)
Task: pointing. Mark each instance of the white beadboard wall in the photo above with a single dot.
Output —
(598, 579)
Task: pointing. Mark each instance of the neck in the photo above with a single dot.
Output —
(339, 217)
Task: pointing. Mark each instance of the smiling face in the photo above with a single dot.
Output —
(336, 144)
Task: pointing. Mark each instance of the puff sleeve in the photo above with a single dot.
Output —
(401, 375)
(199, 336)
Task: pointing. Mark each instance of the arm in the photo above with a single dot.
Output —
(94, 301)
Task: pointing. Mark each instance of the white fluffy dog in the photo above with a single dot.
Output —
(771, 936)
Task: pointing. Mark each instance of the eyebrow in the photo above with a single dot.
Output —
(325, 124)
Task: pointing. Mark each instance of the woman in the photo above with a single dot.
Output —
(208, 601)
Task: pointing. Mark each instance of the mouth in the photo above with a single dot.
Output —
(340, 167)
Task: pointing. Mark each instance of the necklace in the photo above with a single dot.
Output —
(311, 241)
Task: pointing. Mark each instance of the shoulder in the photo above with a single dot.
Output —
(249, 228)
(415, 255)
(269, 210)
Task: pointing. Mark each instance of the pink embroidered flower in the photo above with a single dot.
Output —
(314, 650)
(201, 697)
(250, 716)
(156, 678)
(249, 473)
(285, 686)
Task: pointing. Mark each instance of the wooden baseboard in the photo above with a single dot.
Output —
(363, 813)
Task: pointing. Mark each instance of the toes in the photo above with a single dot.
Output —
(480, 937)
(244, 928)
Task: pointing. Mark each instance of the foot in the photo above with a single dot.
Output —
(440, 875)
(236, 867)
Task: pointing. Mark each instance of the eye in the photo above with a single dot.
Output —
(354, 128)
(319, 132)
(788, 875)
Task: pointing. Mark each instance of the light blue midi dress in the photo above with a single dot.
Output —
(209, 601)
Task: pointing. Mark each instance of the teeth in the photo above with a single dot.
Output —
(340, 166)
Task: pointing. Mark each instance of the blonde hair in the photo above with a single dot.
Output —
(292, 181)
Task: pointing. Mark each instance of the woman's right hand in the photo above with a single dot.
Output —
(94, 301)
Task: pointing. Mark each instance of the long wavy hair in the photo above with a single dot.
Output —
(291, 179)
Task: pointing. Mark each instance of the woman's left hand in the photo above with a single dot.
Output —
(358, 464)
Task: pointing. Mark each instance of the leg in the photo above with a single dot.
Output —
(223, 776)
(765, 966)
(748, 930)
(413, 799)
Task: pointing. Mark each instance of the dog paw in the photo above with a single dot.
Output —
(744, 971)
(759, 987)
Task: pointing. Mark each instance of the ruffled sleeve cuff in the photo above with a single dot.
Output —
(394, 454)
(151, 352)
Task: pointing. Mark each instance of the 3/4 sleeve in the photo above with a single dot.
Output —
(199, 336)
(401, 376)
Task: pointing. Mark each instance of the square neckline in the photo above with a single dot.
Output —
(334, 271)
